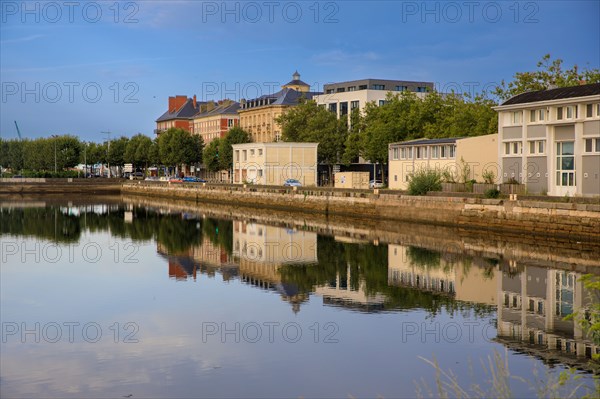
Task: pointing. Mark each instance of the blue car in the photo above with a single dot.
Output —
(292, 183)
(192, 179)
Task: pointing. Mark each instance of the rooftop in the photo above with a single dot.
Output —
(555, 94)
(424, 141)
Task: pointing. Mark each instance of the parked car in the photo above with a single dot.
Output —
(375, 184)
(192, 179)
(175, 180)
(151, 178)
(292, 183)
(136, 176)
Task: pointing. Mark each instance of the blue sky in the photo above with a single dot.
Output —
(83, 67)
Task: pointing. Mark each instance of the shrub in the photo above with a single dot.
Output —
(423, 181)
(488, 176)
(491, 193)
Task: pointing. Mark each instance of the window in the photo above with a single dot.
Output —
(532, 115)
(329, 91)
(516, 117)
(536, 146)
(452, 151)
(395, 153)
(592, 145)
(402, 153)
(589, 110)
(352, 88)
(354, 104)
(333, 107)
(401, 88)
(382, 102)
(251, 153)
(378, 87)
(541, 114)
(565, 164)
(260, 173)
(341, 89)
(362, 87)
(244, 155)
(569, 112)
(421, 89)
(344, 108)
(260, 152)
(237, 155)
(434, 152)
(443, 152)
(559, 113)
(513, 148)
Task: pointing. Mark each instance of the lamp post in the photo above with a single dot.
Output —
(54, 136)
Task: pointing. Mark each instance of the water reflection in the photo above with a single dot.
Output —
(526, 302)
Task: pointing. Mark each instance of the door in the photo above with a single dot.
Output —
(565, 168)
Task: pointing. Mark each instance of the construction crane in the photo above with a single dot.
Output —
(18, 131)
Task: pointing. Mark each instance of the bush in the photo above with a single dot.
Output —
(491, 193)
(488, 176)
(423, 181)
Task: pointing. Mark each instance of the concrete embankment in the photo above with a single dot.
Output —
(540, 218)
(42, 186)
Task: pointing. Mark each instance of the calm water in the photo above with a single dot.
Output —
(155, 300)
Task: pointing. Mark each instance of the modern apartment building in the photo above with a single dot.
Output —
(341, 98)
(257, 116)
(479, 153)
(549, 140)
(273, 163)
(214, 120)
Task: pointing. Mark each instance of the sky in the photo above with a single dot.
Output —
(83, 68)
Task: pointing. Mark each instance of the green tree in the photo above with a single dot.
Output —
(116, 151)
(309, 122)
(235, 135)
(68, 151)
(549, 74)
(138, 149)
(177, 146)
(210, 157)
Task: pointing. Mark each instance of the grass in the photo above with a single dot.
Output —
(566, 384)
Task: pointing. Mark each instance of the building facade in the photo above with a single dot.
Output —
(273, 163)
(449, 155)
(549, 140)
(179, 115)
(215, 120)
(258, 116)
(341, 98)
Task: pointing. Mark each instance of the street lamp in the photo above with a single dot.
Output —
(54, 136)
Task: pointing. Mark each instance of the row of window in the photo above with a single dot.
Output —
(538, 147)
(419, 89)
(333, 107)
(566, 112)
(424, 152)
(245, 154)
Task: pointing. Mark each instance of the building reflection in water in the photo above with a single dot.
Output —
(532, 305)
(532, 302)
(342, 291)
(262, 250)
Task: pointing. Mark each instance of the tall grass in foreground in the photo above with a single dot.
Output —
(566, 384)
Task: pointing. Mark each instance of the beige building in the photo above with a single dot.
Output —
(549, 140)
(257, 116)
(359, 180)
(451, 154)
(273, 163)
(443, 275)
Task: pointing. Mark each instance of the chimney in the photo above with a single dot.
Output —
(194, 101)
(176, 102)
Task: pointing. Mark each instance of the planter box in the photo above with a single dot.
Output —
(454, 187)
(512, 189)
(481, 188)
